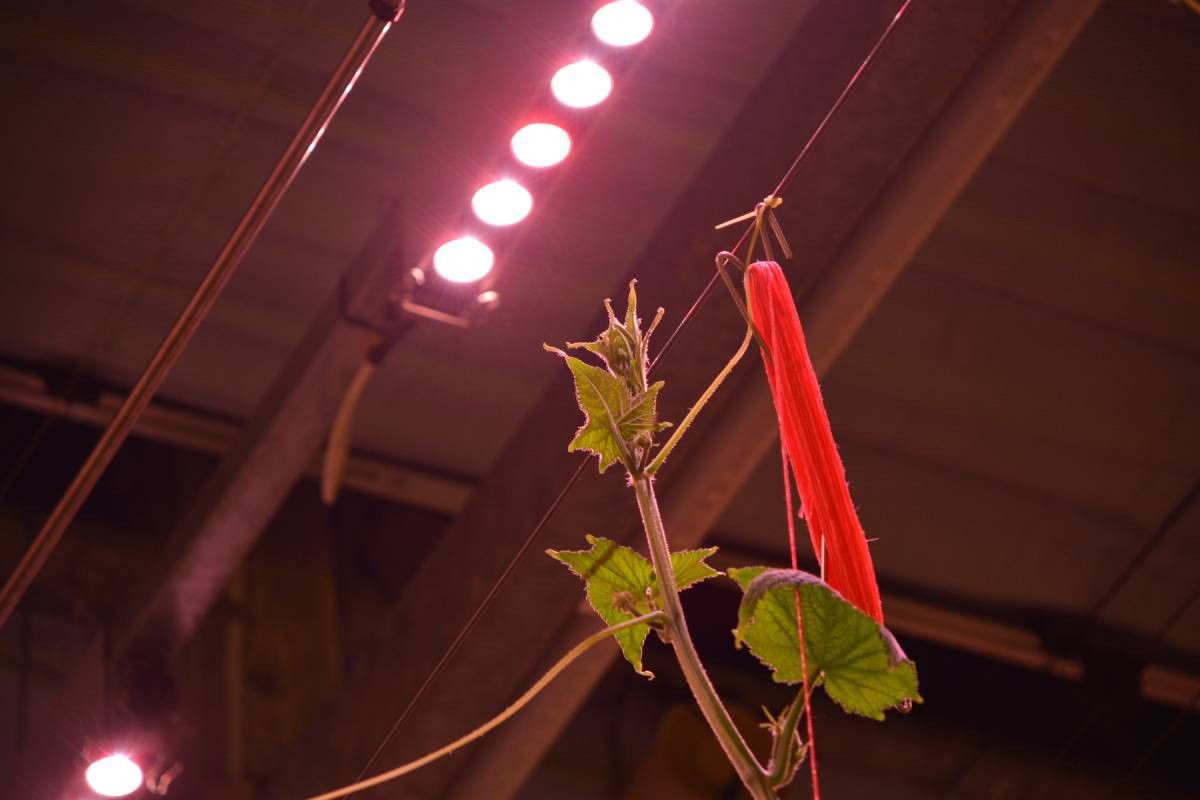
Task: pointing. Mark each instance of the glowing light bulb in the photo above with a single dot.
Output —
(582, 84)
(504, 202)
(114, 776)
(623, 23)
(541, 144)
(463, 260)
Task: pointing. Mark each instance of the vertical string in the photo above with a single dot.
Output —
(808, 720)
(791, 524)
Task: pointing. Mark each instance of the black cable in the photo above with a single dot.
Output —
(705, 293)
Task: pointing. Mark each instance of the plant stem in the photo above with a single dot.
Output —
(783, 761)
(744, 762)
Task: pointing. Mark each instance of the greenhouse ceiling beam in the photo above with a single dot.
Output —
(273, 451)
(1005, 53)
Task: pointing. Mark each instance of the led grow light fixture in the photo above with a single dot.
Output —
(115, 775)
(623, 23)
(541, 144)
(581, 85)
(503, 202)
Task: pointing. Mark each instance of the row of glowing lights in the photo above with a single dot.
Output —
(503, 202)
(542, 144)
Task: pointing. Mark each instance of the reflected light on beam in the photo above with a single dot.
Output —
(623, 23)
(114, 776)
(541, 144)
(463, 260)
(582, 84)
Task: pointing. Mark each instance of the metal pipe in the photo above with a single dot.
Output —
(276, 185)
(405, 484)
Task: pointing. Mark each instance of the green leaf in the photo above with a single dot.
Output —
(631, 318)
(620, 585)
(615, 349)
(856, 660)
(613, 418)
(641, 416)
(620, 415)
(689, 567)
(618, 581)
(603, 399)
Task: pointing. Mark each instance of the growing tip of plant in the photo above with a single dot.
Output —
(658, 316)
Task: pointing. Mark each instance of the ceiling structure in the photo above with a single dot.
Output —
(1011, 371)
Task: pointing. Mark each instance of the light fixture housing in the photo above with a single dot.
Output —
(115, 775)
(502, 202)
(463, 260)
(541, 144)
(622, 23)
(582, 84)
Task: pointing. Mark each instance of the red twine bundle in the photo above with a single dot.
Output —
(833, 526)
(808, 448)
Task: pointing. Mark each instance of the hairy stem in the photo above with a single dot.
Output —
(783, 753)
(744, 762)
(496, 721)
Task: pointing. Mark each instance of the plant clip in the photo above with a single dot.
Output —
(725, 258)
(764, 212)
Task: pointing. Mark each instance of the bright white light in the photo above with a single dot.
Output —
(114, 776)
(582, 84)
(541, 144)
(622, 23)
(463, 260)
(503, 202)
